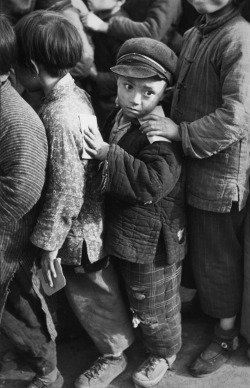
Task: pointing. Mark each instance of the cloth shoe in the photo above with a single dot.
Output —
(151, 371)
(104, 370)
(216, 354)
(52, 380)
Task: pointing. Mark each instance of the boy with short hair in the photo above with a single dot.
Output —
(143, 182)
(211, 118)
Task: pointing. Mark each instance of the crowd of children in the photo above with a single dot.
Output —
(167, 173)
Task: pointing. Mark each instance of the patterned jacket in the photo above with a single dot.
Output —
(211, 103)
(72, 211)
(23, 158)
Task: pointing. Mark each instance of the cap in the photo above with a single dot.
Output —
(144, 58)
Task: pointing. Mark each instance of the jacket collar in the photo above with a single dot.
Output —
(207, 27)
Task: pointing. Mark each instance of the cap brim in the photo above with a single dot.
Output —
(135, 71)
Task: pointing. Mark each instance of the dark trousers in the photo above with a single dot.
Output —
(153, 293)
(216, 251)
(24, 323)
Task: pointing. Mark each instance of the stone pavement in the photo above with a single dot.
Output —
(76, 354)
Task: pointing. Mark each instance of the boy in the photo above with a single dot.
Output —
(70, 223)
(24, 316)
(145, 228)
(211, 118)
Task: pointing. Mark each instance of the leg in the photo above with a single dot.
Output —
(245, 318)
(216, 248)
(24, 323)
(97, 302)
(153, 291)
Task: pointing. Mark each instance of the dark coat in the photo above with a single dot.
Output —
(145, 197)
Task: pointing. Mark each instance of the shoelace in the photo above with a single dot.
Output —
(153, 361)
(98, 366)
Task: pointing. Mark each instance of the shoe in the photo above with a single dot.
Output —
(104, 370)
(39, 382)
(151, 371)
(216, 354)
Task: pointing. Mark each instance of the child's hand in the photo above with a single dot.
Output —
(95, 146)
(47, 264)
(80, 6)
(160, 126)
(93, 22)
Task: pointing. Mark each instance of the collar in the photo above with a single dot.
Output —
(207, 27)
(63, 87)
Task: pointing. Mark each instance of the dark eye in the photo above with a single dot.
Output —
(148, 93)
(128, 86)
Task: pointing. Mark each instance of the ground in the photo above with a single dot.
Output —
(76, 354)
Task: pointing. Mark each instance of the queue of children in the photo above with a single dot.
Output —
(123, 212)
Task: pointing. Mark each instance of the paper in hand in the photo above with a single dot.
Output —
(86, 121)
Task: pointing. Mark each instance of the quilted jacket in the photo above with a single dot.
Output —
(145, 197)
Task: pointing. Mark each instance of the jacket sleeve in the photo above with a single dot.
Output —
(23, 158)
(161, 16)
(145, 179)
(64, 190)
(230, 122)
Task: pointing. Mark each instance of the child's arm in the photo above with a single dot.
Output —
(227, 124)
(144, 179)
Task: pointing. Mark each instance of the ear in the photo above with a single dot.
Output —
(35, 67)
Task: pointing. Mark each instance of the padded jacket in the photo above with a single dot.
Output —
(144, 186)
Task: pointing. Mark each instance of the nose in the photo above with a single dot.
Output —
(136, 98)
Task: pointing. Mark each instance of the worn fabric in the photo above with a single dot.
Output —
(24, 323)
(159, 21)
(216, 251)
(245, 313)
(72, 209)
(23, 158)
(211, 102)
(97, 302)
(144, 186)
(153, 292)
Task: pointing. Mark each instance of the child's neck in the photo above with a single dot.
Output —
(48, 83)
(221, 12)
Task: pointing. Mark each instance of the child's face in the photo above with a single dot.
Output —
(138, 97)
(101, 5)
(209, 6)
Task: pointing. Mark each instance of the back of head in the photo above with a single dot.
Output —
(48, 38)
(144, 58)
(8, 48)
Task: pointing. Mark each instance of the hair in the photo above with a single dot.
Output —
(8, 46)
(48, 38)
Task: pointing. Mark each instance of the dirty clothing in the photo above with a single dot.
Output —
(245, 316)
(211, 103)
(24, 315)
(220, 245)
(71, 214)
(153, 292)
(145, 233)
(97, 302)
(145, 196)
(71, 220)
(24, 323)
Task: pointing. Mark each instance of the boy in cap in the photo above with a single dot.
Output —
(143, 182)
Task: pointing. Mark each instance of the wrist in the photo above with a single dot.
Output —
(103, 27)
